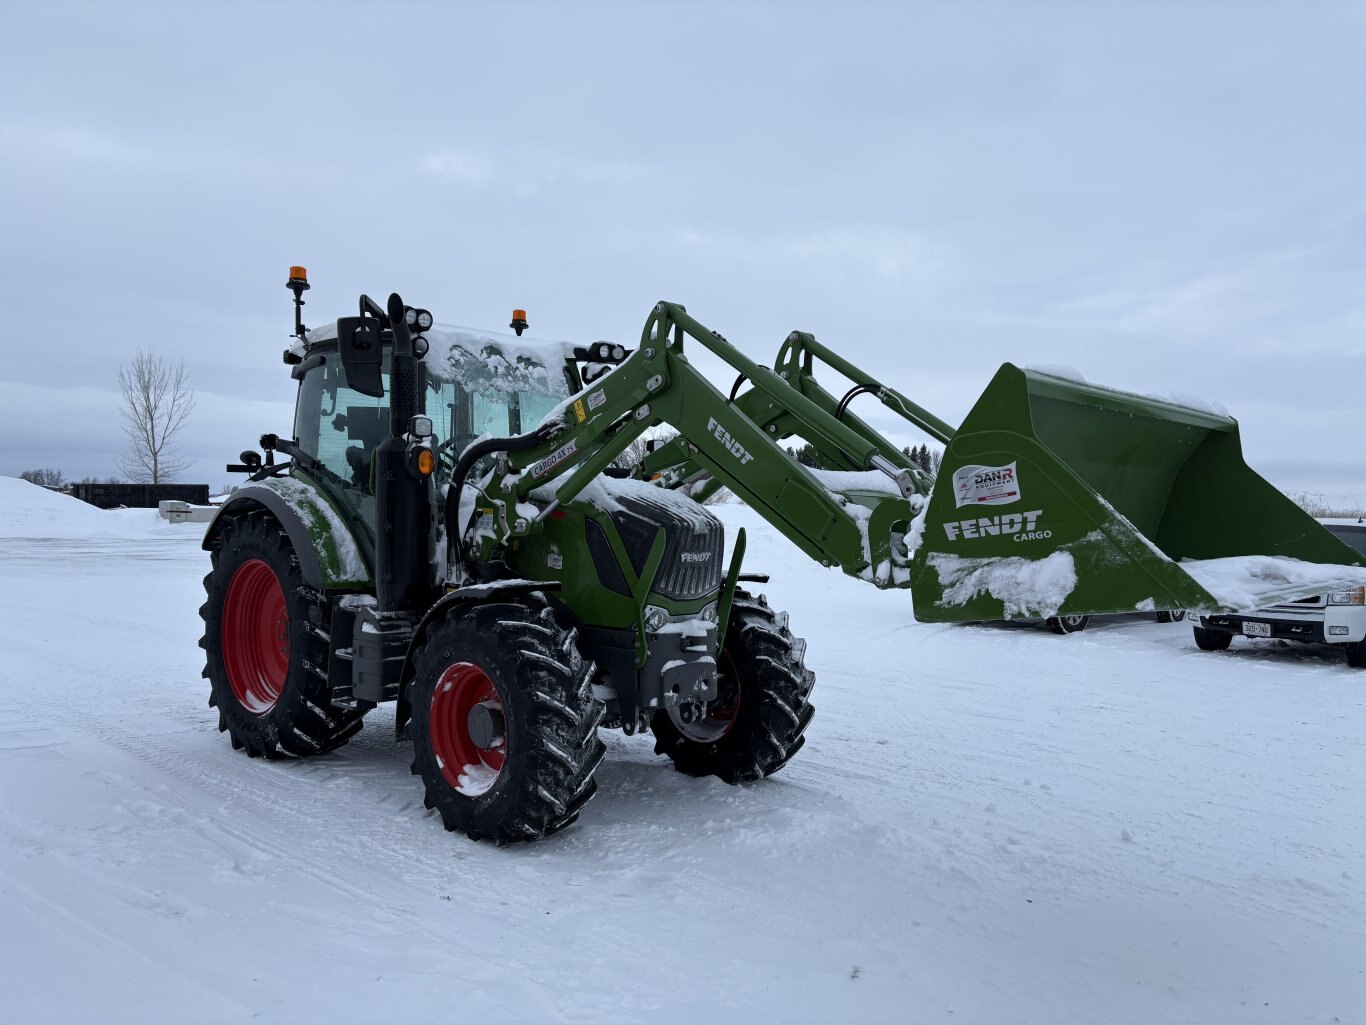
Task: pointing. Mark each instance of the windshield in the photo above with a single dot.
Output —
(482, 387)
(1352, 534)
(459, 415)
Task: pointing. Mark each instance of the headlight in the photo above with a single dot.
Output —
(1356, 596)
(424, 320)
(710, 613)
(655, 618)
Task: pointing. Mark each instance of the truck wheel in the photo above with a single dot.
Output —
(504, 724)
(264, 647)
(1067, 624)
(1356, 655)
(1174, 616)
(755, 724)
(1212, 640)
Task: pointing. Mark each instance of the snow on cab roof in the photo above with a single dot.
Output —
(484, 361)
(476, 339)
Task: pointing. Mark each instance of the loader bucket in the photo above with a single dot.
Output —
(1058, 497)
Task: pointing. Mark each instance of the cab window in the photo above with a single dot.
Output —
(339, 426)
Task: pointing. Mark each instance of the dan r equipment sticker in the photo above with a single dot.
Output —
(986, 485)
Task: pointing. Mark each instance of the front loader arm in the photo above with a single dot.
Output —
(1063, 498)
(773, 413)
(795, 365)
(861, 531)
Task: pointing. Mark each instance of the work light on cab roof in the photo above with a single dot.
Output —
(298, 284)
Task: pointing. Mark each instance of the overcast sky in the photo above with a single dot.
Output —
(1170, 198)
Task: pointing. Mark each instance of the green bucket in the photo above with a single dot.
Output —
(1058, 497)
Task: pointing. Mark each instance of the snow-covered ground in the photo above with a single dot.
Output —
(987, 825)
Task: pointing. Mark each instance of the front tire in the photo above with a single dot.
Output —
(1212, 640)
(1356, 655)
(1067, 624)
(762, 708)
(504, 724)
(265, 646)
(1173, 616)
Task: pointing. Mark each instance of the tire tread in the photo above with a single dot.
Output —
(299, 724)
(775, 706)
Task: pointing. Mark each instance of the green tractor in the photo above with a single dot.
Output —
(451, 532)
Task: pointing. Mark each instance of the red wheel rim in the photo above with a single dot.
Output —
(256, 637)
(721, 713)
(466, 766)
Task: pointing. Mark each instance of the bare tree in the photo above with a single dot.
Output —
(48, 478)
(157, 398)
(634, 453)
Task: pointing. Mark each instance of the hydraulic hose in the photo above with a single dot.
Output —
(735, 388)
(849, 397)
(471, 455)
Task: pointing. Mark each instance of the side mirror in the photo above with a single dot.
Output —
(362, 354)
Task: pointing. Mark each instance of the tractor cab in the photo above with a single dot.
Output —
(471, 384)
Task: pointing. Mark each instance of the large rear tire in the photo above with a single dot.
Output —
(265, 643)
(1212, 640)
(504, 724)
(762, 709)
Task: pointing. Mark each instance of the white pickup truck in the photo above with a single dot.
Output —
(1338, 617)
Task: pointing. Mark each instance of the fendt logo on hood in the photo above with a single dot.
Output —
(696, 556)
(724, 437)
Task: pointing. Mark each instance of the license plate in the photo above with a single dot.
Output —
(1257, 629)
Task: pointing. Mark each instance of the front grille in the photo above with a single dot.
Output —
(686, 578)
(1314, 601)
(693, 540)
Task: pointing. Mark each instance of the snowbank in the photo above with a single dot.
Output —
(30, 511)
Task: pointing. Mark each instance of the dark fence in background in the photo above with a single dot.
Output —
(140, 496)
